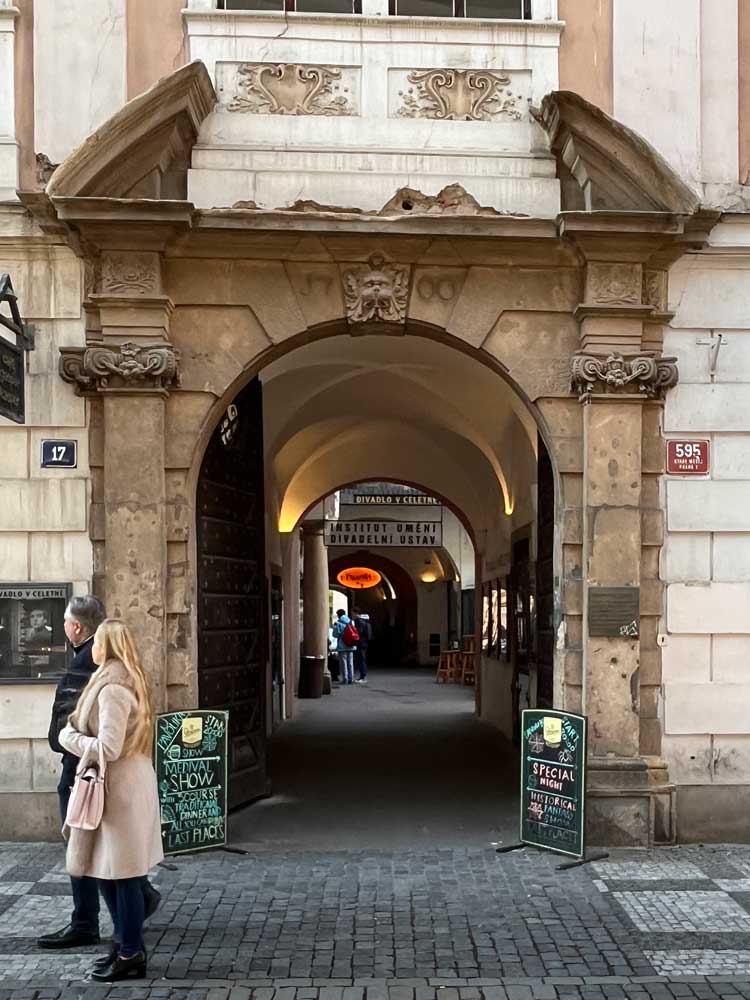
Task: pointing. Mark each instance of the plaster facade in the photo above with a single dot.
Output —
(223, 224)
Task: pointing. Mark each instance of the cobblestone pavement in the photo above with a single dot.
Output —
(435, 924)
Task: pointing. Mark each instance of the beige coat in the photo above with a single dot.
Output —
(128, 841)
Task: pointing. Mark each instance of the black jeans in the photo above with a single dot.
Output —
(85, 916)
(125, 902)
(360, 661)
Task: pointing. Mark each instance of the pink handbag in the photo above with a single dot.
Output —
(86, 803)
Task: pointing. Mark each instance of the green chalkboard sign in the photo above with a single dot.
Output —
(191, 771)
(553, 780)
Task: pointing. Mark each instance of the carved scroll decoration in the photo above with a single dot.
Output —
(129, 274)
(639, 374)
(146, 368)
(376, 292)
(291, 89)
(614, 284)
(471, 95)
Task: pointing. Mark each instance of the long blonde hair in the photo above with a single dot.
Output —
(116, 642)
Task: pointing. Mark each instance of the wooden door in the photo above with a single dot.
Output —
(545, 588)
(232, 641)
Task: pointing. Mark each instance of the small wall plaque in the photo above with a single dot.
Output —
(688, 458)
(615, 611)
(59, 454)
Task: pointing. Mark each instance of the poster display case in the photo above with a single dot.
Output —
(33, 648)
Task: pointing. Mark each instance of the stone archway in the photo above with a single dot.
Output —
(186, 305)
(399, 578)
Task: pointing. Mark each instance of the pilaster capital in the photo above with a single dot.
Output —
(313, 526)
(128, 368)
(622, 378)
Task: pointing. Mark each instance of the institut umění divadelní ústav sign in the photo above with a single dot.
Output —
(553, 780)
(190, 760)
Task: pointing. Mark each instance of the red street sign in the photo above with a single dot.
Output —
(687, 458)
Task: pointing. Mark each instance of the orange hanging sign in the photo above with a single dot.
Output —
(359, 578)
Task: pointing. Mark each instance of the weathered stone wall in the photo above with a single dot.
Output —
(44, 513)
(706, 558)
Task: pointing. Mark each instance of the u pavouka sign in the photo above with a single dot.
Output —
(385, 534)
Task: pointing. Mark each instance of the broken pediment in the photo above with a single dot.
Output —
(606, 166)
(142, 151)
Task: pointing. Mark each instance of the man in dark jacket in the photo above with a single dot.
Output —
(362, 621)
(82, 618)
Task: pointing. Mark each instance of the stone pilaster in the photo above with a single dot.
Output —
(619, 380)
(130, 366)
(315, 595)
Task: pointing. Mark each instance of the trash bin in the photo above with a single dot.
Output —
(311, 677)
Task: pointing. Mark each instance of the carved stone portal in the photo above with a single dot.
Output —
(133, 367)
(631, 375)
(468, 95)
(291, 89)
(376, 292)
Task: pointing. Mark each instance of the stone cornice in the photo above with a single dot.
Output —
(482, 31)
(126, 368)
(617, 311)
(621, 377)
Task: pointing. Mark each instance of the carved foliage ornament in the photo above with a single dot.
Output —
(291, 89)
(376, 292)
(147, 368)
(469, 95)
(647, 376)
(655, 289)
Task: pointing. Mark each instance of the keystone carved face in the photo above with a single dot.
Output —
(376, 292)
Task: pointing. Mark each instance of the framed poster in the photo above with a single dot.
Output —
(33, 647)
(553, 780)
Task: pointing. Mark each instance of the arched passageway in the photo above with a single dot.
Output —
(345, 410)
(392, 606)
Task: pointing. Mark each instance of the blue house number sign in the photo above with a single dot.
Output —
(59, 454)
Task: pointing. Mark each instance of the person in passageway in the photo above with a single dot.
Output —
(362, 623)
(346, 636)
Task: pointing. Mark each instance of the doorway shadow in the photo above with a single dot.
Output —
(399, 762)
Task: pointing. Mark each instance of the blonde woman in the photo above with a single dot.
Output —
(114, 716)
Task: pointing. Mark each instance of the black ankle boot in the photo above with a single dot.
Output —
(122, 968)
(106, 960)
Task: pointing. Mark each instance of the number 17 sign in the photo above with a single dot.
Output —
(687, 458)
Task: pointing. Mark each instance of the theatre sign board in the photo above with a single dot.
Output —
(385, 534)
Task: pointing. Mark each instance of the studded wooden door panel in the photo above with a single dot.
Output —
(231, 561)
(545, 586)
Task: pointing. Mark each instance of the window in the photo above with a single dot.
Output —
(494, 620)
(300, 6)
(494, 9)
(486, 618)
